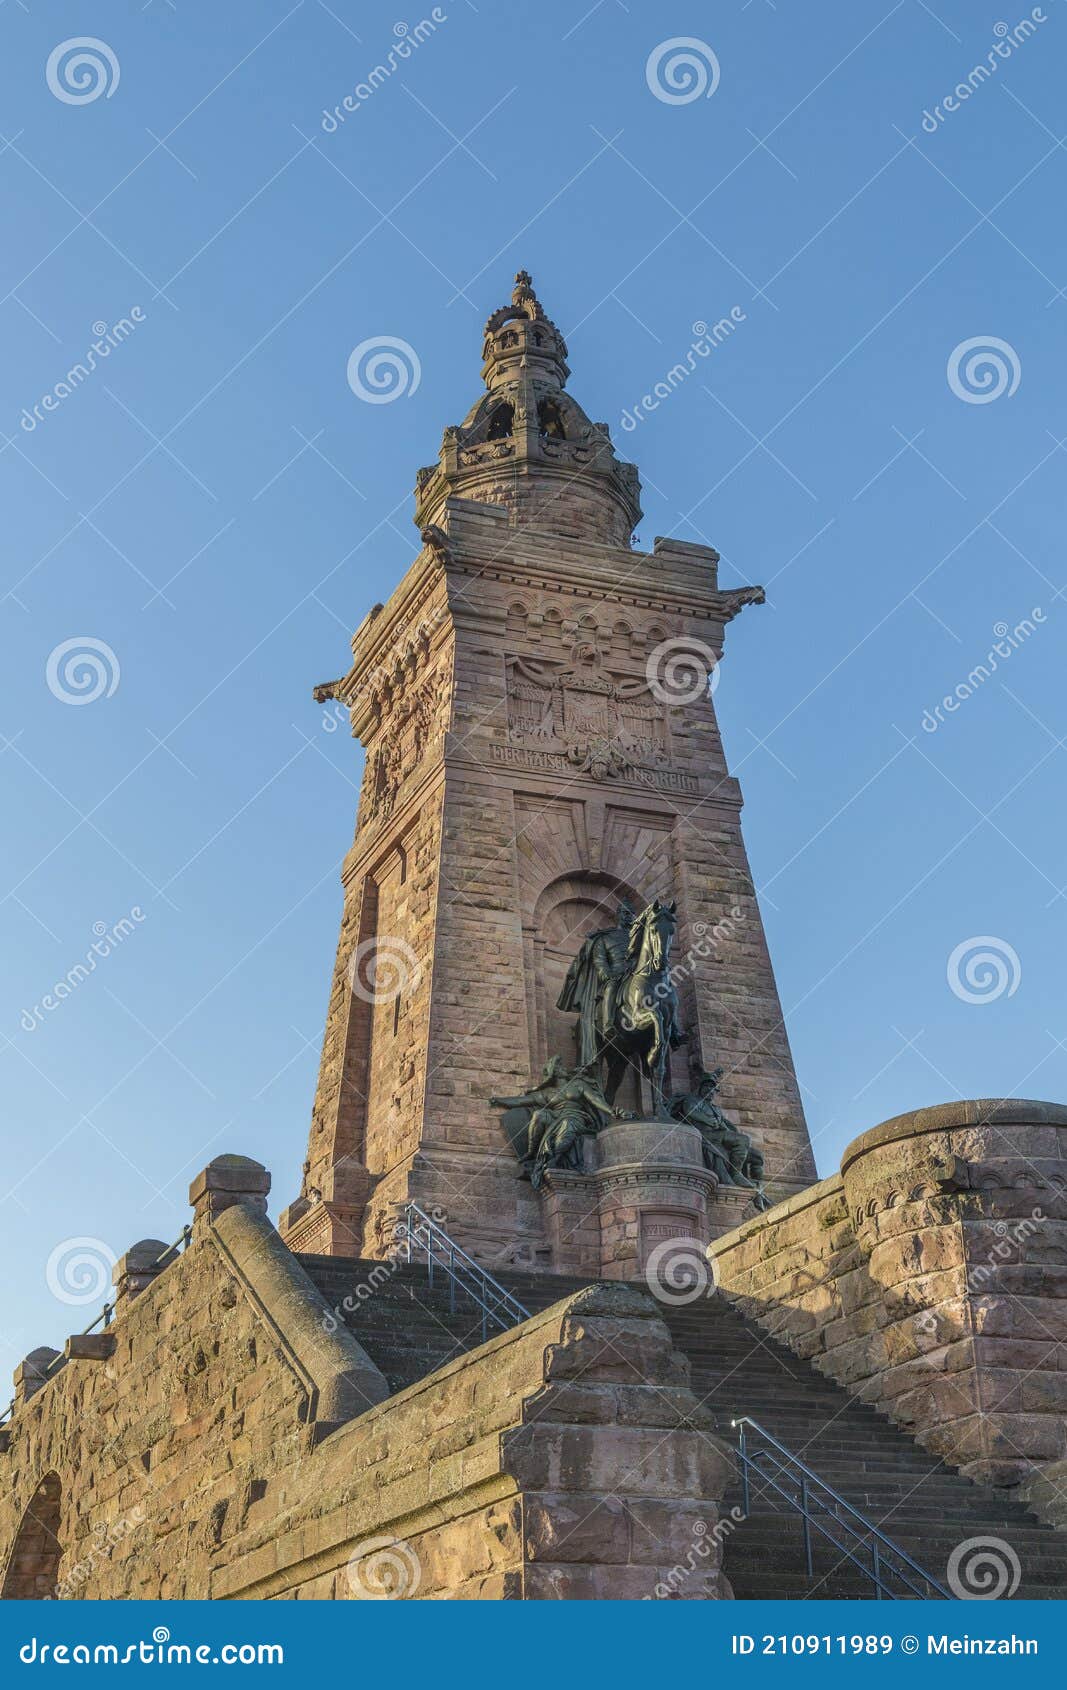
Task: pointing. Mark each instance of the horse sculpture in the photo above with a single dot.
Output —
(641, 1027)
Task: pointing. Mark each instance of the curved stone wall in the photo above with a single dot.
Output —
(930, 1278)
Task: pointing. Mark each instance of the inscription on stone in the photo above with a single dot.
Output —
(557, 762)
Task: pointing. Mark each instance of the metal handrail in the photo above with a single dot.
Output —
(463, 1273)
(883, 1551)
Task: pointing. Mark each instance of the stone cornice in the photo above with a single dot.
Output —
(948, 1117)
(674, 580)
(657, 1173)
(547, 571)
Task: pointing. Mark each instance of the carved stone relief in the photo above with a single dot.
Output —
(595, 722)
(406, 733)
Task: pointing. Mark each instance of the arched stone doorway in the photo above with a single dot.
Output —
(33, 1566)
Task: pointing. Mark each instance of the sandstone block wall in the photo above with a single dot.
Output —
(930, 1278)
(565, 1459)
(225, 1439)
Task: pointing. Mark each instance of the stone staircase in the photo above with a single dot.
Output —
(925, 1507)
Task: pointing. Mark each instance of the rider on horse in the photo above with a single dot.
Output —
(591, 988)
(620, 987)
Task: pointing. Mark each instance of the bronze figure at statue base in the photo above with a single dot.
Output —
(548, 1124)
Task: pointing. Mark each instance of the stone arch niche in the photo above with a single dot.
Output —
(32, 1572)
(568, 910)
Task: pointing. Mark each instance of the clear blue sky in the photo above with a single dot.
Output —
(216, 506)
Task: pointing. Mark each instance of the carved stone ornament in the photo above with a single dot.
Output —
(406, 734)
(602, 724)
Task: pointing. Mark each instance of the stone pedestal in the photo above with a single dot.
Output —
(572, 1222)
(652, 1186)
(644, 1183)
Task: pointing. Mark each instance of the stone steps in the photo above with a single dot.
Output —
(927, 1508)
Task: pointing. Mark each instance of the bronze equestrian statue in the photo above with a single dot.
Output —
(621, 988)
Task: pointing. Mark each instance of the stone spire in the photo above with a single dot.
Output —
(527, 445)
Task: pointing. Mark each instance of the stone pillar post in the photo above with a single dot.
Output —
(652, 1187)
(135, 1271)
(32, 1372)
(226, 1181)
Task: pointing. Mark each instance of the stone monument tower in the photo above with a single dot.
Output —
(541, 752)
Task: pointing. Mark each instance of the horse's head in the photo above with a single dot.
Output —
(652, 935)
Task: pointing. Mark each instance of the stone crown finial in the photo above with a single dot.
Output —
(526, 443)
(523, 291)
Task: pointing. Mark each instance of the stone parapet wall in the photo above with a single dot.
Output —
(930, 1278)
(565, 1459)
(227, 1438)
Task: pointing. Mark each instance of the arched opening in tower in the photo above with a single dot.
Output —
(501, 422)
(550, 420)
